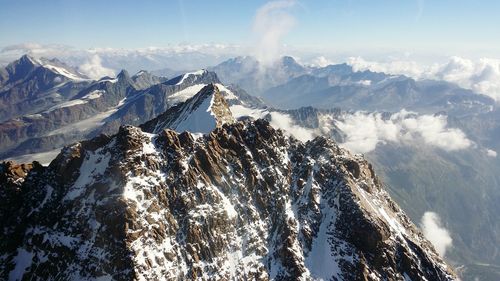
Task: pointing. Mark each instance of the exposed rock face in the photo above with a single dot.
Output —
(143, 80)
(243, 202)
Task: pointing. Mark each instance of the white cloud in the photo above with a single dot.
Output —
(284, 122)
(364, 131)
(394, 66)
(491, 153)
(435, 232)
(271, 23)
(482, 75)
(93, 68)
(278, 121)
(321, 61)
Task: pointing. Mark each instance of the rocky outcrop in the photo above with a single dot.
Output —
(143, 80)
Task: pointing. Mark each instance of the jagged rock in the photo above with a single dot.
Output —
(243, 201)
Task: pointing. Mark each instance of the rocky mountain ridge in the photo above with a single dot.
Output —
(244, 201)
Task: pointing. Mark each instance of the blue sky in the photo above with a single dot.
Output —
(404, 25)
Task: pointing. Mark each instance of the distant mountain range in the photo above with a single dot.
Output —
(59, 113)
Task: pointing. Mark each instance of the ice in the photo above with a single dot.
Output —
(199, 72)
(85, 99)
(183, 95)
(226, 205)
(321, 260)
(406, 277)
(62, 71)
(67, 104)
(87, 124)
(43, 157)
(93, 95)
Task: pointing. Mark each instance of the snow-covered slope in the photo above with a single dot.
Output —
(242, 202)
(201, 113)
(58, 67)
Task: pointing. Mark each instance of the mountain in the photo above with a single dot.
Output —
(243, 201)
(254, 76)
(29, 84)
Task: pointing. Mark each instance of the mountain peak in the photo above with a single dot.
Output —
(123, 74)
(144, 79)
(27, 59)
(202, 113)
(21, 67)
(288, 59)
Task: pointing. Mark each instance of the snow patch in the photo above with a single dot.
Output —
(228, 95)
(93, 167)
(87, 124)
(199, 72)
(23, 261)
(63, 72)
(199, 120)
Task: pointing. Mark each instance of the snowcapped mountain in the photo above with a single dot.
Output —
(242, 202)
(28, 85)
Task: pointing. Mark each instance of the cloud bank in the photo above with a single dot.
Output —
(284, 122)
(364, 131)
(271, 23)
(436, 233)
(482, 75)
(277, 120)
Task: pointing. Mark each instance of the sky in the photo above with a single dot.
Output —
(447, 27)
